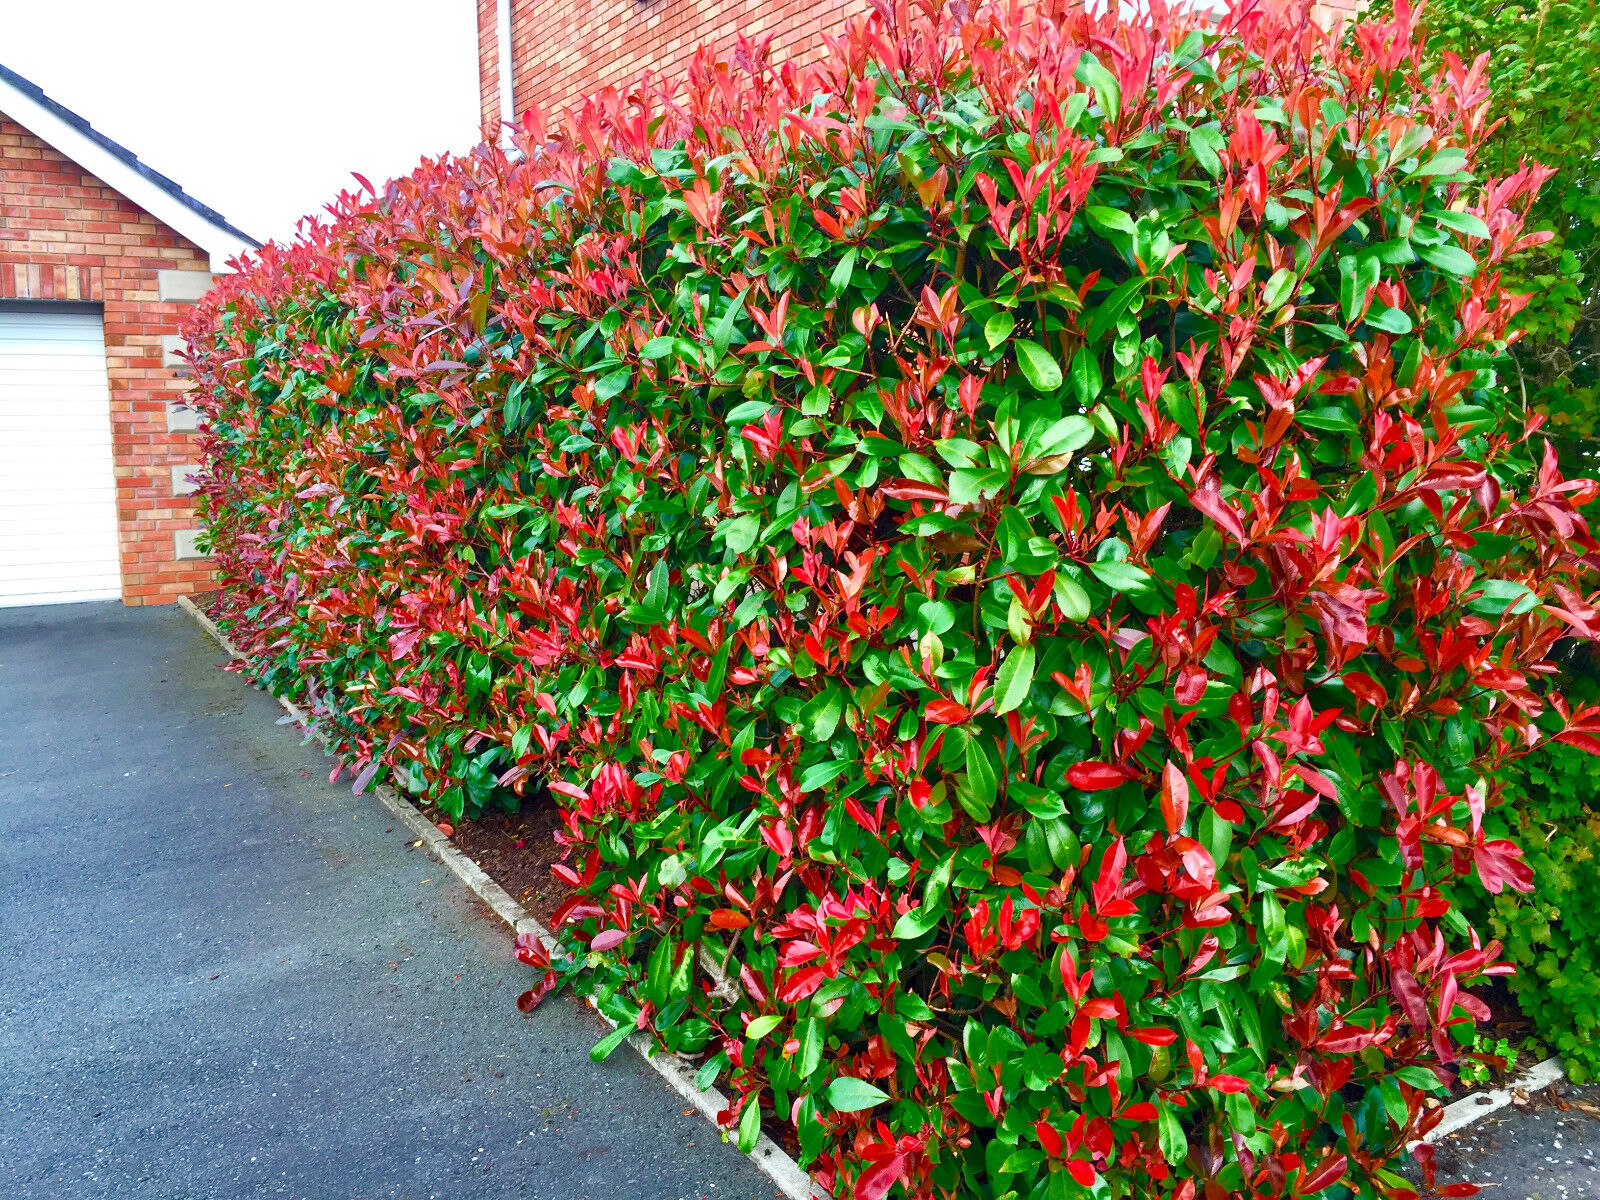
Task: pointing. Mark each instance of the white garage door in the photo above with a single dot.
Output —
(58, 510)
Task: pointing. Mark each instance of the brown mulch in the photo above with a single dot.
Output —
(516, 850)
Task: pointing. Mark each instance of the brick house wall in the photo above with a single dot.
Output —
(564, 50)
(66, 236)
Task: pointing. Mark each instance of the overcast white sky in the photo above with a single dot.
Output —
(259, 108)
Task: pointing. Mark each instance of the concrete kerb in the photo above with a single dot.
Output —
(768, 1156)
(1464, 1112)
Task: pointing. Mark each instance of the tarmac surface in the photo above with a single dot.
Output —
(223, 976)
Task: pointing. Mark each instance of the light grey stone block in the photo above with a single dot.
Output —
(171, 343)
(182, 287)
(181, 418)
(181, 484)
(185, 544)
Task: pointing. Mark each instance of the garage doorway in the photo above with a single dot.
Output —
(58, 493)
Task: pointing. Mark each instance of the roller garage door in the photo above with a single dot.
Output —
(58, 496)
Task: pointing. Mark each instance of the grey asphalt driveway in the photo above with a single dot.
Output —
(222, 976)
(1534, 1151)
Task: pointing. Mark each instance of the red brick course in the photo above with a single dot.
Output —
(64, 235)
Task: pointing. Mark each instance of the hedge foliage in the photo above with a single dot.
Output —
(1008, 548)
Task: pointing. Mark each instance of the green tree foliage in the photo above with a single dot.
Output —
(1544, 71)
(1552, 934)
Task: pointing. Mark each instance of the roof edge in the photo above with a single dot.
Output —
(119, 168)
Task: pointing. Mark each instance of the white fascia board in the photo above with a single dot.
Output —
(504, 68)
(220, 244)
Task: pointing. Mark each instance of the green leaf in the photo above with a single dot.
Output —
(812, 1042)
(1108, 221)
(1204, 144)
(819, 775)
(722, 332)
(1503, 596)
(603, 1048)
(840, 278)
(1461, 222)
(1014, 679)
(1390, 320)
(849, 1094)
(1085, 376)
(740, 533)
(824, 712)
(1358, 275)
(750, 1123)
(938, 883)
(761, 1026)
(1452, 260)
(998, 328)
(1174, 1145)
(1038, 365)
(1107, 90)
(608, 387)
(706, 1077)
(1071, 598)
(919, 922)
(982, 781)
(1121, 576)
(747, 411)
(1279, 288)
(1114, 308)
(1447, 162)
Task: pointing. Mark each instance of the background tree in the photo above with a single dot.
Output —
(1544, 75)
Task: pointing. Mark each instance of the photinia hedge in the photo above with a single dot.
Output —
(1008, 548)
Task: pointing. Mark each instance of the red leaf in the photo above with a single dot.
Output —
(913, 489)
(800, 984)
(607, 938)
(531, 951)
(946, 712)
(1409, 992)
(1366, 689)
(1097, 776)
(1081, 1172)
(1500, 865)
(1208, 499)
(1347, 1039)
(531, 999)
(1174, 796)
(874, 1182)
(1228, 1083)
(1153, 1035)
(1329, 1171)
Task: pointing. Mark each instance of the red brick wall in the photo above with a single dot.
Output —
(564, 50)
(64, 235)
(488, 69)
